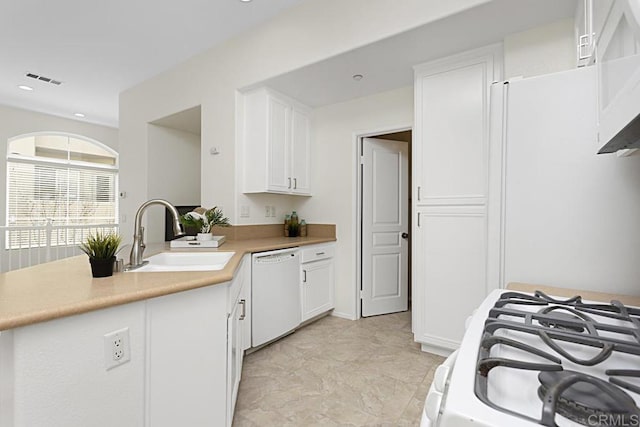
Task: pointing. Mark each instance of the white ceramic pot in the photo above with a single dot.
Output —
(204, 236)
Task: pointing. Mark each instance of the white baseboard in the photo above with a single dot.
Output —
(348, 316)
(444, 352)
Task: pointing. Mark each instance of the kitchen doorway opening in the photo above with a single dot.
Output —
(382, 222)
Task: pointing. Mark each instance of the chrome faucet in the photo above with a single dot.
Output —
(137, 249)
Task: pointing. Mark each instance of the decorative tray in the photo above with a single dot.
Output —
(191, 242)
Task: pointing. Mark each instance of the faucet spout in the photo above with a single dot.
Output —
(138, 246)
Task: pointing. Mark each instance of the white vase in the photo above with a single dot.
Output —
(204, 236)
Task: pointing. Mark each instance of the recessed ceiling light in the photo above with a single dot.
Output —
(25, 87)
(245, 1)
(78, 115)
(357, 77)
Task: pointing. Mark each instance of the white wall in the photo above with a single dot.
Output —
(546, 49)
(334, 186)
(211, 79)
(174, 174)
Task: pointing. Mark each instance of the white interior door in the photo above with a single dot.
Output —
(385, 244)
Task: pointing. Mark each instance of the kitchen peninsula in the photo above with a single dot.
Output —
(54, 363)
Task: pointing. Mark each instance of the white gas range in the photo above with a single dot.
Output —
(529, 359)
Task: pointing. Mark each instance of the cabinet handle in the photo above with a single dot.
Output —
(319, 253)
(244, 309)
(304, 272)
(418, 193)
(295, 183)
(289, 183)
(418, 219)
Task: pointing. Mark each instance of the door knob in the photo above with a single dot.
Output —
(405, 235)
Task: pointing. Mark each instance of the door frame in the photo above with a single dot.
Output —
(357, 202)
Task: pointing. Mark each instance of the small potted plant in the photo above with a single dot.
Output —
(101, 249)
(203, 219)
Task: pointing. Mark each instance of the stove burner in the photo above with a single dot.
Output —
(563, 319)
(585, 399)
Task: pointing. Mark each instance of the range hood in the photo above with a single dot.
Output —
(628, 138)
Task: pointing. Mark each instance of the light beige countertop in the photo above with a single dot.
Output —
(65, 287)
(564, 292)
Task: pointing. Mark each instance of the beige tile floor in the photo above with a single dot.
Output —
(337, 372)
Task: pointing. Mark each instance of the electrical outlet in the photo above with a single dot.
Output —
(116, 348)
(267, 211)
(273, 211)
(244, 211)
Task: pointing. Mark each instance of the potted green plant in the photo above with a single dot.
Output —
(101, 249)
(203, 219)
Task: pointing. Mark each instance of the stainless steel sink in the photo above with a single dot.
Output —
(186, 261)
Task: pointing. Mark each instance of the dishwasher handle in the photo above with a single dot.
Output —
(276, 257)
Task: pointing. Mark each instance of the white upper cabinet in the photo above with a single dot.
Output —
(599, 11)
(275, 144)
(590, 18)
(450, 153)
(618, 59)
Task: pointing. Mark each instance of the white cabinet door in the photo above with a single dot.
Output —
(618, 57)
(584, 26)
(279, 142)
(187, 357)
(449, 270)
(600, 10)
(238, 332)
(235, 355)
(452, 194)
(300, 156)
(245, 296)
(317, 287)
(450, 156)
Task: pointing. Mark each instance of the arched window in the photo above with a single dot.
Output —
(61, 180)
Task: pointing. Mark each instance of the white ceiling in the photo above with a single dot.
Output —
(100, 48)
(388, 64)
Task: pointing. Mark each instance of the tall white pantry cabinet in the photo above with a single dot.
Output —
(456, 198)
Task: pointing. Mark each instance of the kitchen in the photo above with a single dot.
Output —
(210, 81)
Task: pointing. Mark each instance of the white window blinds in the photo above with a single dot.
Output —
(59, 190)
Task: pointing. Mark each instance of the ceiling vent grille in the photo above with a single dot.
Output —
(44, 79)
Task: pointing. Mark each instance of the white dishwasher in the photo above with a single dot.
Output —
(275, 297)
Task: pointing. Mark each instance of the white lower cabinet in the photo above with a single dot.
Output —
(317, 280)
(195, 351)
(238, 327)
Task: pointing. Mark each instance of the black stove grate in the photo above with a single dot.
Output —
(569, 320)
